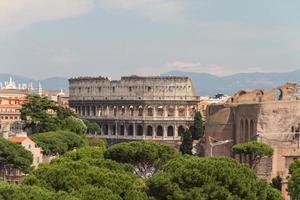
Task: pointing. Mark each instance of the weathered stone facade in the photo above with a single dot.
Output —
(136, 108)
(269, 117)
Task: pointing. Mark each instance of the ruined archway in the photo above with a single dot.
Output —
(159, 131)
(149, 131)
(122, 130)
(170, 132)
(139, 130)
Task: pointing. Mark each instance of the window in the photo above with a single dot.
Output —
(149, 89)
(113, 89)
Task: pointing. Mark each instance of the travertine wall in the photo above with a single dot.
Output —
(275, 122)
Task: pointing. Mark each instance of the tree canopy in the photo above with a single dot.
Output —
(294, 180)
(14, 156)
(58, 142)
(255, 150)
(146, 157)
(186, 143)
(42, 115)
(74, 124)
(198, 129)
(190, 177)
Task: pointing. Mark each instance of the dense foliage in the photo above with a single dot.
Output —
(255, 150)
(190, 178)
(186, 145)
(42, 115)
(294, 180)
(85, 174)
(58, 142)
(146, 157)
(92, 127)
(13, 155)
(74, 125)
(277, 183)
(198, 129)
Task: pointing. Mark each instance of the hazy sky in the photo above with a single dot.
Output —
(43, 38)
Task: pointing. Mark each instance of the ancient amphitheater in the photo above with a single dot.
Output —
(136, 108)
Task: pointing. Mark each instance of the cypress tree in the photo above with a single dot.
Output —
(198, 130)
(186, 143)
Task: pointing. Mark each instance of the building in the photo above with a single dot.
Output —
(150, 108)
(271, 117)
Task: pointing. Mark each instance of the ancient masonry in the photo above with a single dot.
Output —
(141, 108)
(271, 117)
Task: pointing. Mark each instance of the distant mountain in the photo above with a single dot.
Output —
(53, 83)
(209, 85)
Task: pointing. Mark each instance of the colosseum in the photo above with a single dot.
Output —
(136, 108)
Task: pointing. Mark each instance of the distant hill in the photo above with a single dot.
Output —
(53, 83)
(209, 85)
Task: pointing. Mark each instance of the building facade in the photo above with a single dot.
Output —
(271, 117)
(153, 108)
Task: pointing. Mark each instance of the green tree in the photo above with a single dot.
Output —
(277, 183)
(256, 151)
(58, 142)
(146, 157)
(75, 125)
(14, 156)
(92, 127)
(190, 177)
(42, 115)
(294, 180)
(198, 129)
(186, 143)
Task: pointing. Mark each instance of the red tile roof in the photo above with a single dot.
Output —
(17, 139)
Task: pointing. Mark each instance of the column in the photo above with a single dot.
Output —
(165, 134)
(134, 130)
(187, 113)
(165, 111)
(176, 111)
(125, 130)
(154, 132)
(175, 131)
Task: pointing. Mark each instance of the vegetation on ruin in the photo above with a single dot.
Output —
(254, 150)
(294, 180)
(58, 142)
(146, 157)
(198, 128)
(14, 155)
(186, 145)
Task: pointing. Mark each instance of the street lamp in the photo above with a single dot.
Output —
(217, 143)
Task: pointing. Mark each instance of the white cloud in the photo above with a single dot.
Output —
(19, 14)
(168, 10)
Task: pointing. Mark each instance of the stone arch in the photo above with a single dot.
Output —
(159, 131)
(122, 130)
(170, 132)
(130, 130)
(140, 111)
(181, 111)
(105, 129)
(160, 111)
(139, 130)
(252, 133)
(278, 94)
(171, 111)
(246, 132)
(149, 131)
(150, 111)
(180, 130)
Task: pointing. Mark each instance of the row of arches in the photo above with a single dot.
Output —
(143, 130)
(247, 130)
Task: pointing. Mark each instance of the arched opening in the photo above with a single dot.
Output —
(278, 94)
(180, 131)
(113, 129)
(139, 130)
(159, 131)
(241, 129)
(171, 111)
(149, 131)
(252, 134)
(170, 132)
(140, 114)
(160, 111)
(122, 130)
(131, 111)
(150, 111)
(123, 110)
(105, 129)
(130, 130)
(181, 111)
(246, 131)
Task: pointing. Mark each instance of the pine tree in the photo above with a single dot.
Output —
(198, 130)
(186, 143)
